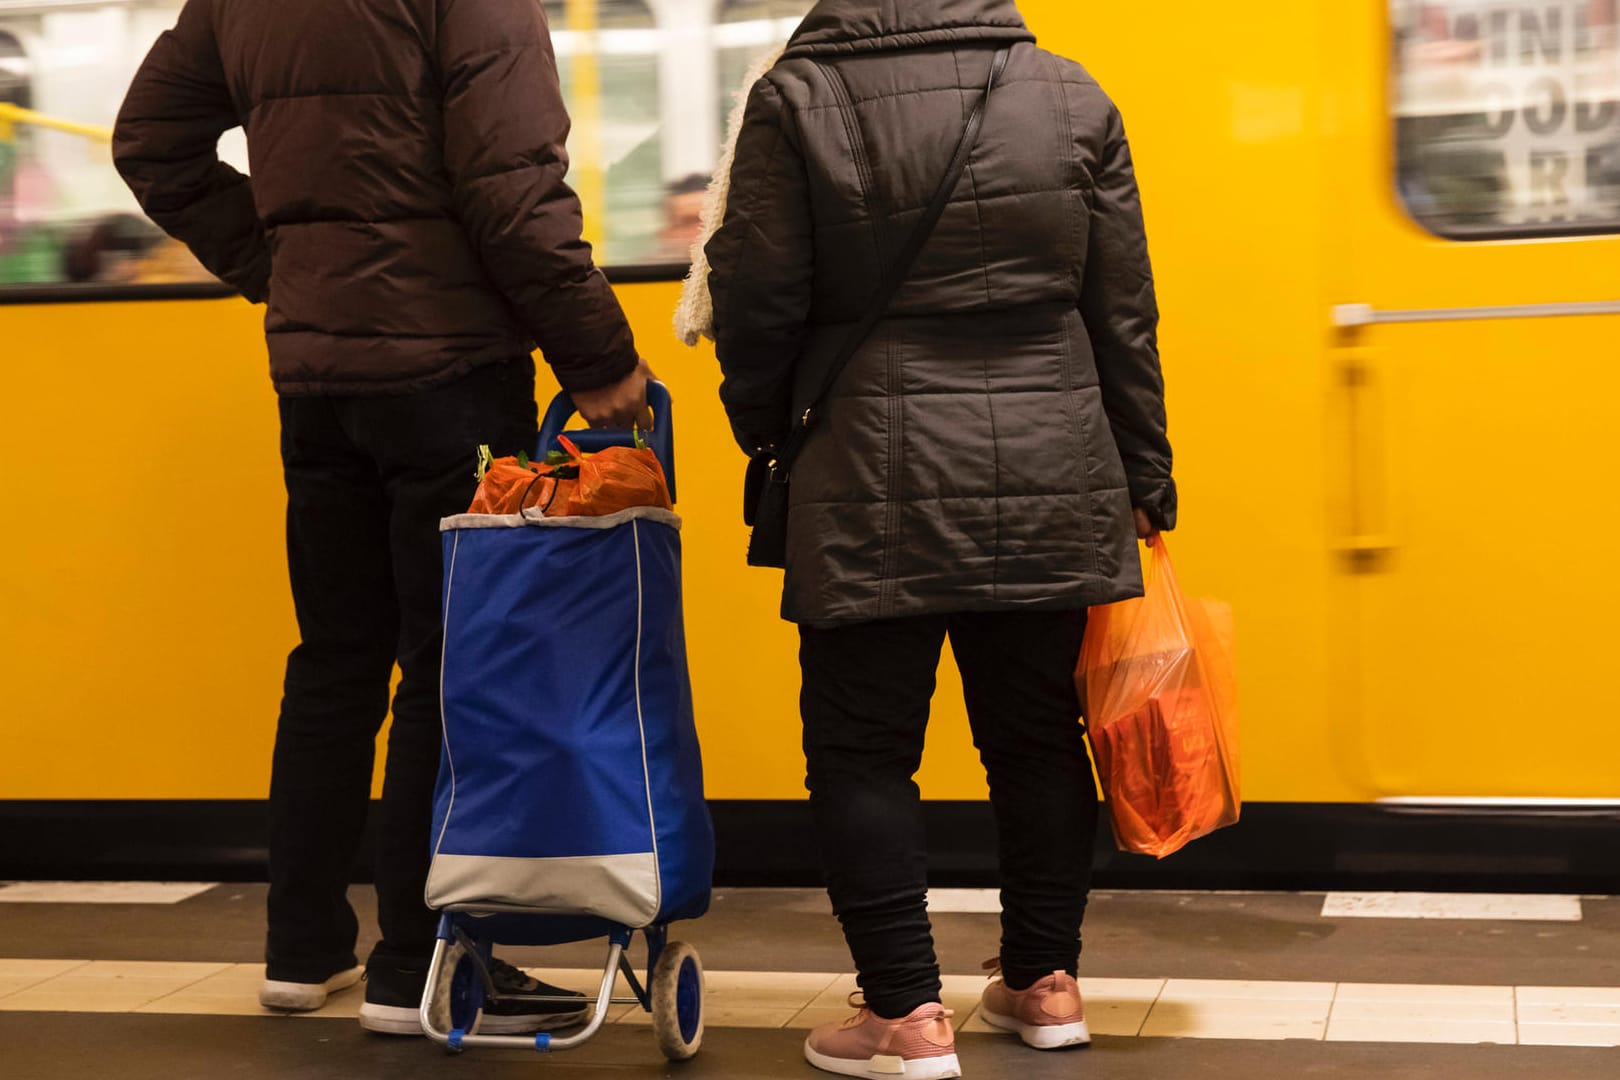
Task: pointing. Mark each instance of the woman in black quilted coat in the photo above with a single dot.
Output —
(981, 471)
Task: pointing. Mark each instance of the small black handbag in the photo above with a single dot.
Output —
(765, 488)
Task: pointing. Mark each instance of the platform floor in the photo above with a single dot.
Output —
(132, 982)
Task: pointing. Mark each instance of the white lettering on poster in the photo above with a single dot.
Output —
(1538, 82)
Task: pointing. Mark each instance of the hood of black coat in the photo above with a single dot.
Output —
(857, 26)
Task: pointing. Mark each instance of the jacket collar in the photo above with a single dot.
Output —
(858, 26)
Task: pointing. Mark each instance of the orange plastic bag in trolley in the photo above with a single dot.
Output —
(569, 484)
(1157, 678)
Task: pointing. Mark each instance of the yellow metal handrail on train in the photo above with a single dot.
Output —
(12, 116)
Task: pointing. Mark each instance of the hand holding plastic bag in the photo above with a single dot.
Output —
(1160, 690)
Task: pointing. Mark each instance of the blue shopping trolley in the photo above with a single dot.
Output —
(570, 797)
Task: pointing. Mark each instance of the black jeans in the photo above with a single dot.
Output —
(368, 479)
(865, 705)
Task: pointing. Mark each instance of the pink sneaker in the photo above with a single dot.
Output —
(920, 1046)
(1047, 1016)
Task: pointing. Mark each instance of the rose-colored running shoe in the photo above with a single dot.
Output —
(920, 1046)
(1048, 1016)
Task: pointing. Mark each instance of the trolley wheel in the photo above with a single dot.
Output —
(457, 1003)
(677, 1001)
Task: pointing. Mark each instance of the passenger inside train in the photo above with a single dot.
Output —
(420, 699)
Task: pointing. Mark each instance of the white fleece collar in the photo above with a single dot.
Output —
(694, 315)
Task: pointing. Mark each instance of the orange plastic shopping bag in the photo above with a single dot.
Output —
(569, 484)
(1160, 691)
(511, 485)
(614, 479)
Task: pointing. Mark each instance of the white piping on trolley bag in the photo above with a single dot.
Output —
(646, 773)
(444, 726)
(532, 518)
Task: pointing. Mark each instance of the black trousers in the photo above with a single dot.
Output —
(368, 479)
(865, 706)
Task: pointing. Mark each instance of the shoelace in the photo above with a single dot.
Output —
(857, 1001)
(994, 967)
(509, 979)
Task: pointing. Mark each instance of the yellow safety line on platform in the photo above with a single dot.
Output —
(796, 1000)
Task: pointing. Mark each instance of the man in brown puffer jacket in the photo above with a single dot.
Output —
(408, 224)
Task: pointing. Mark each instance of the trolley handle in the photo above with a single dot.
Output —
(661, 439)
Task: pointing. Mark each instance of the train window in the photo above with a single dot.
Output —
(607, 57)
(65, 216)
(649, 87)
(1507, 116)
(648, 82)
(747, 30)
(15, 93)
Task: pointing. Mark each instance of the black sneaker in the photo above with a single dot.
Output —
(393, 998)
(394, 1001)
(527, 1017)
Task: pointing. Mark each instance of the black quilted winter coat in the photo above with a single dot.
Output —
(984, 449)
(407, 217)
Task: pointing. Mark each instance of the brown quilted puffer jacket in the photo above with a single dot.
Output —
(984, 449)
(407, 218)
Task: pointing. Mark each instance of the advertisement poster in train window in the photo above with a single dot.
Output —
(1508, 115)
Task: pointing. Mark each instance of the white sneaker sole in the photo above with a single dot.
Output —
(306, 997)
(1041, 1036)
(391, 1019)
(886, 1066)
(529, 1025)
(398, 1020)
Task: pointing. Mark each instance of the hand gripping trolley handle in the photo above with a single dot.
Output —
(570, 797)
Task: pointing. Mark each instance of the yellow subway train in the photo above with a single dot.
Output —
(1387, 239)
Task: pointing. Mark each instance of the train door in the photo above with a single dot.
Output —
(1473, 283)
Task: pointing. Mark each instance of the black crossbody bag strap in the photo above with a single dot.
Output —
(894, 277)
